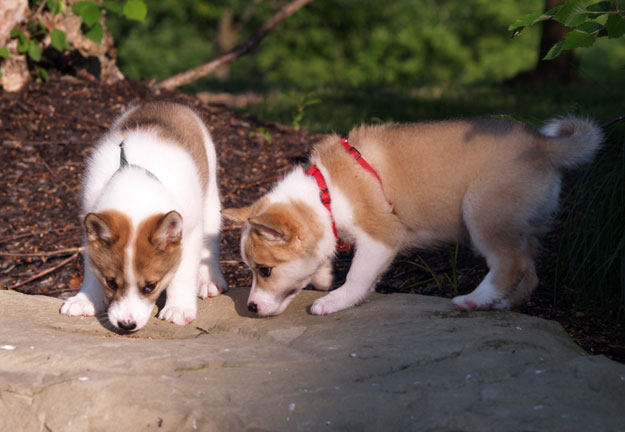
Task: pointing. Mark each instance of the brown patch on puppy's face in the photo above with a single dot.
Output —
(157, 253)
(108, 234)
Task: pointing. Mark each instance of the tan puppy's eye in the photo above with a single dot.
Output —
(149, 287)
(111, 283)
(265, 271)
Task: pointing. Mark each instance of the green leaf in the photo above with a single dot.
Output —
(603, 6)
(42, 73)
(572, 14)
(4, 52)
(533, 18)
(525, 20)
(59, 40)
(615, 26)
(112, 6)
(18, 34)
(22, 43)
(554, 52)
(90, 12)
(135, 10)
(95, 34)
(56, 6)
(577, 39)
(34, 50)
(590, 27)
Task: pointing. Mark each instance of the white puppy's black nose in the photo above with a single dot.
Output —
(126, 325)
(252, 307)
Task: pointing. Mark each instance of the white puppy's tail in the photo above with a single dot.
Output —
(574, 141)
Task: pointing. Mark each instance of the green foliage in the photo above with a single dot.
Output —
(30, 41)
(587, 23)
(59, 40)
(135, 10)
(261, 132)
(89, 11)
(56, 6)
(353, 42)
(591, 255)
(301, 101)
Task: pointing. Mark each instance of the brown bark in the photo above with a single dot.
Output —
(562, 69)
(208, 68)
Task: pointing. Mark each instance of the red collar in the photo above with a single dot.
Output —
(324, 194)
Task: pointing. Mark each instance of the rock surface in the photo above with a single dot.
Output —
(398, 362)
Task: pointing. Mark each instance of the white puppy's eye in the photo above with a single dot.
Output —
(149, 287)
(111, 283)
(265, 271)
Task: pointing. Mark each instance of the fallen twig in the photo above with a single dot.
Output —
(36, 233)
(43, 254)
(45, 272)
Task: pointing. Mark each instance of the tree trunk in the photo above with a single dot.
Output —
(562, 69)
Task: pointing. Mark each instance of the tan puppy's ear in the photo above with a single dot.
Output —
(237, 215)
(270, 233)
(272, 226)
(99, 228)
(168, 231)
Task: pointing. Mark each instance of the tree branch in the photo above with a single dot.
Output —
(208, 68)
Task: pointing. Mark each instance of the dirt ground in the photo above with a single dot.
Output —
(46, 132)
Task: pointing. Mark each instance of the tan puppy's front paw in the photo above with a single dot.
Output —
(327, 305)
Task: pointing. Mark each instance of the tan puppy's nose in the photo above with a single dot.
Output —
(252, 307)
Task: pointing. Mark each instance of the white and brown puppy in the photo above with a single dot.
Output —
(491, 182)
(151, 214)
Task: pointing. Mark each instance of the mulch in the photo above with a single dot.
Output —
(47, 131)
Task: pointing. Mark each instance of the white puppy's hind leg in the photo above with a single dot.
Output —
(212, 282)
(370, 260)
(91, 298)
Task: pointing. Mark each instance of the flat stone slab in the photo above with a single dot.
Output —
(399, 362)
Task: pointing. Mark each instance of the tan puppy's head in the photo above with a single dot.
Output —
(133, 265)
(279, 241)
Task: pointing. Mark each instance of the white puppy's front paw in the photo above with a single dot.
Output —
(328, 304)
(178, 315)
(79, 305)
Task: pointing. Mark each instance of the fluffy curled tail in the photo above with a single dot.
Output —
(573, 141)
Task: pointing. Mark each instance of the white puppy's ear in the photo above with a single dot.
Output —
(269, 229)
(237, 215)
(99, 228)
(168, 231)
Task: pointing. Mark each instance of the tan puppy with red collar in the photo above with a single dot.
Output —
(491, 182)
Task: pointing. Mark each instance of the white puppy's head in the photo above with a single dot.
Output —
(133, 264)
(280, 243)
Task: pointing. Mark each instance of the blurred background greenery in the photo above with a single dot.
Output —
(347, 42)
(337, 63)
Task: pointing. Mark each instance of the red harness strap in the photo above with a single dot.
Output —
(358, 158)
(324, 194)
